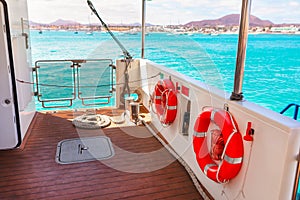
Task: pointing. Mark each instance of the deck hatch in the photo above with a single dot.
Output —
(84, 150)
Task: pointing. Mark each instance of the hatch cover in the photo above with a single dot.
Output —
(84, 150)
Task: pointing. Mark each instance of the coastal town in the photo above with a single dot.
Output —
(228, 24)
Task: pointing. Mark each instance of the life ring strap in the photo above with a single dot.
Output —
(200, 134)
(233, 160)
(206, 168)
(212, 114)
(171, 107)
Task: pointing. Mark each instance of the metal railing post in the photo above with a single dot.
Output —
(241, 53)
(143, 28)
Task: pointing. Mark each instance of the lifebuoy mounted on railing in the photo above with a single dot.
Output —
(231, 157)
(165, 101)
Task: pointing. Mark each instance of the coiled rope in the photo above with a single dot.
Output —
(91, 121)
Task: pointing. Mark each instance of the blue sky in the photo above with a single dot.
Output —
(160, 11)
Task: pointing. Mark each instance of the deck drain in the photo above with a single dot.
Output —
(84, 150)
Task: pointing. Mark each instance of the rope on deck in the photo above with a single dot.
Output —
(91, 121)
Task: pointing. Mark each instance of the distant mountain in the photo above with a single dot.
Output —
(59, 22)
(230, 20)
(287, 24)
(31, 23)
(133, 24)
(62, 22)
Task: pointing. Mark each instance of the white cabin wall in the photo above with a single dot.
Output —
(269, 165)
(19, 28)
(9, 137)
(145, 83)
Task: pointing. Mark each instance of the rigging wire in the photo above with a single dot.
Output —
(126, 77)
(87, 86)
(125, 52)
(127, 56)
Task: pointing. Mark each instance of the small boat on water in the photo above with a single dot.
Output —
(132, 32)
(89, 32)
(167, 136)
(214, 34)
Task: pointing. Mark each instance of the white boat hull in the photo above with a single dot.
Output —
(269, 163)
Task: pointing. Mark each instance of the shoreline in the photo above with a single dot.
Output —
(183, 33)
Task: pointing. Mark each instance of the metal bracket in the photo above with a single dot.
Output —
(236, 97)
(161, 75)
(26, 40)
(226, 107)
(113, 66)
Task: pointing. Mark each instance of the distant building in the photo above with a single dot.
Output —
(290, 29)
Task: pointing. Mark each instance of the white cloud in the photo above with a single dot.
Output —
(114, 11)
(278, 11)
(294, 3)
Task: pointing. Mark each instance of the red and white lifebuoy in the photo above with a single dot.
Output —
(232, 155)
(165, 101)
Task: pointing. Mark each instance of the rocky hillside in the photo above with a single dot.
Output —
(230, 20)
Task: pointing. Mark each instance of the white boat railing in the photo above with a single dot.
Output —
(59, 82)
(276, 168)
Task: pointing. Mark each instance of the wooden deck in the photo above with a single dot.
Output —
(141, 168)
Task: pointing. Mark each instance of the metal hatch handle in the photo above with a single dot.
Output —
(237, 94)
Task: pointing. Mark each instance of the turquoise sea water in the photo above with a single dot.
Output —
(272, 67)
